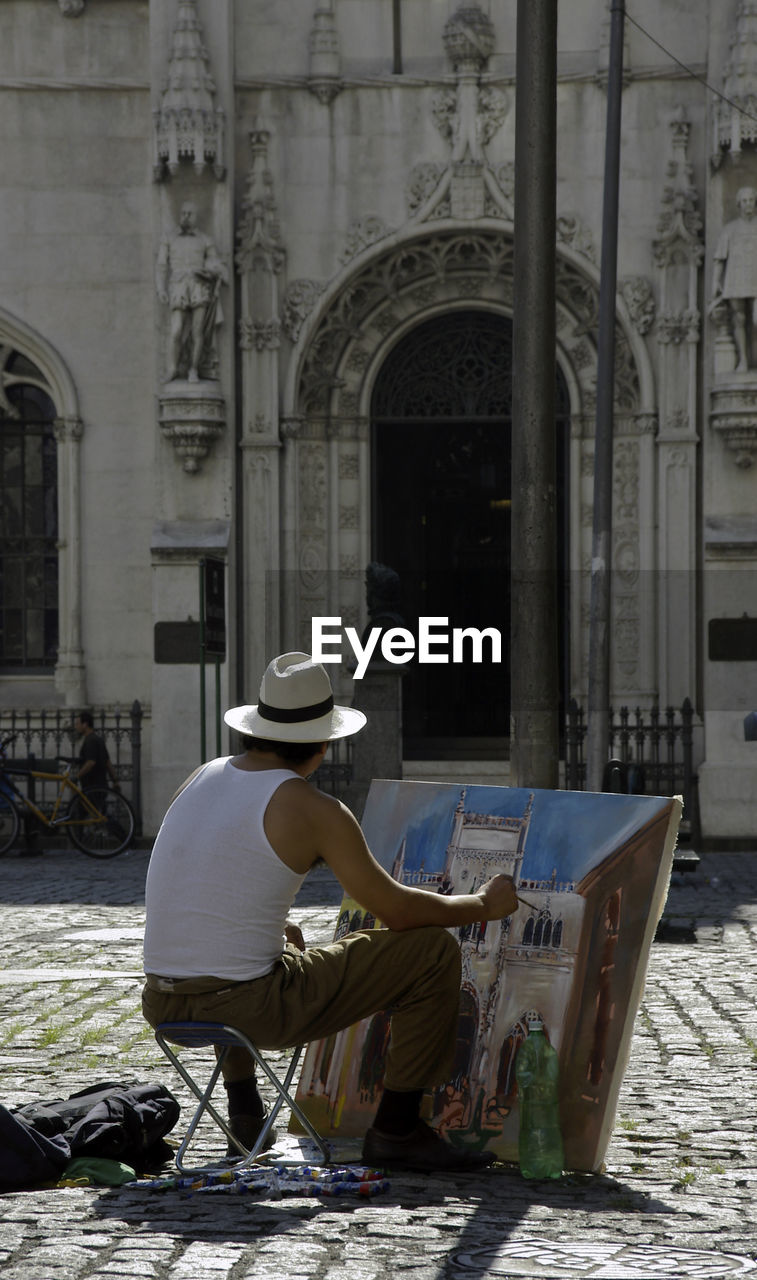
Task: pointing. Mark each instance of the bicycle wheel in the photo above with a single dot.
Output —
(9, 823)
(106, 835)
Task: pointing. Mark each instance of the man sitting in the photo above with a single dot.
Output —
(234, 847)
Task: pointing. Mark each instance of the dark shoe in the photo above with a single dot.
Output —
(421, 1149)
(246, 1129)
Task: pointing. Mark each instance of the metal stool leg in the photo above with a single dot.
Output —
(282, 1089)
(205, 1104)
(199, 1034)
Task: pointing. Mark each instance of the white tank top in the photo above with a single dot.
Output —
(217, 895)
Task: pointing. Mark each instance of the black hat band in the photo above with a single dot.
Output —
(286, 715)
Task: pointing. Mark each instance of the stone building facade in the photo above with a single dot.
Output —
(223, 220)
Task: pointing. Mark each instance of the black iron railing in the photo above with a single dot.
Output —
(650, 753)
(40, 737)
(335, 774)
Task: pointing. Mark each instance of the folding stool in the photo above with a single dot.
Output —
(202, 1034)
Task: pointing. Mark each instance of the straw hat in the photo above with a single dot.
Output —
(296, 705)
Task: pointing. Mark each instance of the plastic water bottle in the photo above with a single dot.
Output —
(540, 1145)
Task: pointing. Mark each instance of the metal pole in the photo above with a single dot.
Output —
(534, 736)
(218, 705)
(202, 662)
(597, 735)
(396, 38)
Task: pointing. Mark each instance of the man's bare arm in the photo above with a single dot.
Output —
(308, 825)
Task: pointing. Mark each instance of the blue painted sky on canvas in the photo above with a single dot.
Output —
(571, 830)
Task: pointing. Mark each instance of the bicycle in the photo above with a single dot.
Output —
(99, 822)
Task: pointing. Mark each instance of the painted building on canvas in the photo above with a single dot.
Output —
(592, 874)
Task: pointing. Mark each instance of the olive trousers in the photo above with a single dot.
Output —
(414, 975)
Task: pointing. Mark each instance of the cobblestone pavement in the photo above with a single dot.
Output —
(678, 1198)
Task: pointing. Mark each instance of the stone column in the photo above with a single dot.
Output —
(260, 259)
(69, 670)
(678, 254)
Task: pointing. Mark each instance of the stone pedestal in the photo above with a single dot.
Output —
(377, 749)
(733, 415)
(192, 415)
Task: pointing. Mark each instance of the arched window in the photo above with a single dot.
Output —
(28, 520)
(557, 934)
(528, 932)
(547, 936)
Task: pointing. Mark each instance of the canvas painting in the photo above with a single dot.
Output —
(592, 873)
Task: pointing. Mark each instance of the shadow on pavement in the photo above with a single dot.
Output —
(505, 1200)
(501, 1196)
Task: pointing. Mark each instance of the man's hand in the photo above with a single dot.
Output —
(498, 897)
(293, 934)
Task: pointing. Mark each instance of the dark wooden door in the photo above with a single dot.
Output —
(441, 519)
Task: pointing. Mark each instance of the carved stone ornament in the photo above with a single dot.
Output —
(259, 238)
(490, 112)
(679, 228)
(423, 181)
(299, 300)
(467, 116)
(639, 298)
(492, 109)
(362, 234)
(734, 417)
(290, 428)
(678, 326)
(573, 232)
(435, 270)
(444, 111)
(469, 38)
(740, 438)
(262, 335)
(188, 124)
(68, 428)
(324, 71)
(735, 112)
(192, 416)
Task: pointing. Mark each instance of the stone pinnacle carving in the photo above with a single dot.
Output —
(469, 38)
(188, 124)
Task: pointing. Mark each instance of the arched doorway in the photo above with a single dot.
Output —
(441, 434)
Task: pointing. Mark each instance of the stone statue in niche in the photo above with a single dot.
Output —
(735, 277)
(189, 275)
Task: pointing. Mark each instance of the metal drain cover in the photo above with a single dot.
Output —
(600, 1261)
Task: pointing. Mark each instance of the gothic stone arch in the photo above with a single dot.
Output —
(387, 291)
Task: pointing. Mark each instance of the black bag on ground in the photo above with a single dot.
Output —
(28, 1158)
(126, 1124)
(112, 1121)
